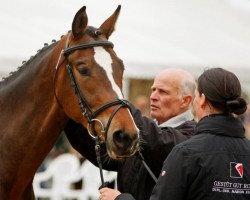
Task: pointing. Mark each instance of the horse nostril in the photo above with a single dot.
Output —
(122, 140)
(125, 144)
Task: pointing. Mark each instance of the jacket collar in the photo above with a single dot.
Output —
(221, 124)
(178, 120)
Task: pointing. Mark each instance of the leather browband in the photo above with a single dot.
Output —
(68, 50)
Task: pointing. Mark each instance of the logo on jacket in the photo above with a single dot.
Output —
(236, 170)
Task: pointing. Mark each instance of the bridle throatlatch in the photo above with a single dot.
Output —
(85, 108)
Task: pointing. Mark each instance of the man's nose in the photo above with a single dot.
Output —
(153, 95)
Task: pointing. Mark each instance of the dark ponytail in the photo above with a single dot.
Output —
(222, 90)
(237, 106)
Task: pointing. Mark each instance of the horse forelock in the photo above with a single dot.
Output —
(26, 64)
(92, 31)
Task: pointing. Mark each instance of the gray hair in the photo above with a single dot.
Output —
(187, 86)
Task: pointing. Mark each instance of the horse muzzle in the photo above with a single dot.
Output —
(122, 144)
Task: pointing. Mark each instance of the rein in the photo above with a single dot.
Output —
(85, 108)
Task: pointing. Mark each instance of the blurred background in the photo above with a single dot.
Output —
(150, 36)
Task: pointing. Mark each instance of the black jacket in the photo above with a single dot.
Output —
(212, 165)
(133, 177)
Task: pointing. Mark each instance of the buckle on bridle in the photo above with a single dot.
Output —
(90, 127)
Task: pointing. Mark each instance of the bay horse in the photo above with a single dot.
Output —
(37, 101)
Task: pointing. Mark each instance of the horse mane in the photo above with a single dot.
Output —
(14, 74)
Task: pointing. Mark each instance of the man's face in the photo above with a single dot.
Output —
(165, 99)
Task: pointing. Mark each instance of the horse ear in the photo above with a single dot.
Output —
(80, 22)
(108, 27)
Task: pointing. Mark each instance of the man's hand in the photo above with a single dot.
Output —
(108, 194)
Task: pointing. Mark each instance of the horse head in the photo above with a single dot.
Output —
(89, 63)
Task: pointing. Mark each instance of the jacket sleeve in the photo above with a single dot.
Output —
(125, 196)
(158, 142)
(173, 180)
(82, 142)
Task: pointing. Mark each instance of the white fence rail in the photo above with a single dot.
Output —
(55, 183)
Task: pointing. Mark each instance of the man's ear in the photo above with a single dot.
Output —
(186, 101)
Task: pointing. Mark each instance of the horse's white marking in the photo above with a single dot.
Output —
(103, 58)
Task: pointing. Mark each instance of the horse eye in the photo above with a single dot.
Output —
(83, 70)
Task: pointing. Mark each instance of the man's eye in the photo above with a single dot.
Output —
(83, 70)
(164, 92)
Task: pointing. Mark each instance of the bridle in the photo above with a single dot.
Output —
(86, 110)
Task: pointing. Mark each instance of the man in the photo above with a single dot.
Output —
(170, 103)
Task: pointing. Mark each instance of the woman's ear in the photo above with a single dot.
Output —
(203, 101)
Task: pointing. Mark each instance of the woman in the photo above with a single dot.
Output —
(215, 163)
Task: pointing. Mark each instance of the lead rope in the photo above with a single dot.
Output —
(99, 162)
(147, 167)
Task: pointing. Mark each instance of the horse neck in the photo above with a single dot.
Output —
(30, 113)
(31, 90)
